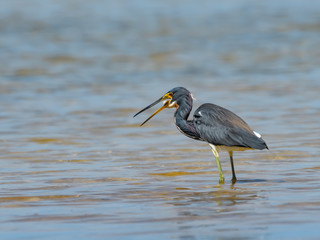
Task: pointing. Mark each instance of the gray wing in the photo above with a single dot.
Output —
(219, 126)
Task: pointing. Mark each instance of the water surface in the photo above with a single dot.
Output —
(76, 165)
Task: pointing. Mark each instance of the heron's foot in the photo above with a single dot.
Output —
(221, 180)
(234, 180)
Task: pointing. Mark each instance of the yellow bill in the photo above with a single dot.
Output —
(167, 96)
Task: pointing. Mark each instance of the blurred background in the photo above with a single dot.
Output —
(75, 162)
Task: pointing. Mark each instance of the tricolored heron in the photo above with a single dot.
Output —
(221, 128)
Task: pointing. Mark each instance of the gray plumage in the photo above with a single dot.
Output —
(221, 127)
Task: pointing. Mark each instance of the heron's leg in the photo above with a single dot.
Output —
(234, 179)
(216, 155)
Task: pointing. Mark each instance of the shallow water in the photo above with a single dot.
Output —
(76, 165)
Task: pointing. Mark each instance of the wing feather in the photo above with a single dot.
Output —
(219, 126)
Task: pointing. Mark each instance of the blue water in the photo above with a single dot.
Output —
(76, 165)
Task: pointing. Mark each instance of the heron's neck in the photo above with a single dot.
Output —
(181, 119)
(183, 111)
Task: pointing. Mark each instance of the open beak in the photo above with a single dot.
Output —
(167, 98)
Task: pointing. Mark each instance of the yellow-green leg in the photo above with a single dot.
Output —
(234, 178)
(221, 177)
(216, 155)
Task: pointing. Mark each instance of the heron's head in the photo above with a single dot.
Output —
(170, 100)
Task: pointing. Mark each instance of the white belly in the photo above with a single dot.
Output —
(231, 149)
(228, 149)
